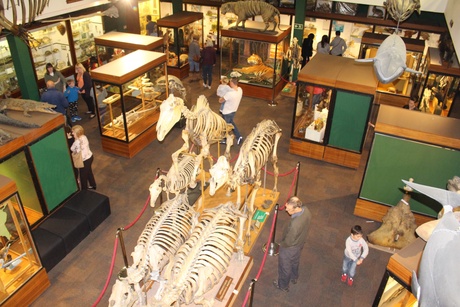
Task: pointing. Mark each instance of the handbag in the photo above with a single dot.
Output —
(197, 58)
(77, 159)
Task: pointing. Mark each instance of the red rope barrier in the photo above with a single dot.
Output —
(280, 175)
(114, 256)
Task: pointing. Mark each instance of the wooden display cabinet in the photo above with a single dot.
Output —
(441, 83)
(239, 48)
(177, 30)
(113, 45)
(408, 144)
(398, 92)
(333, 104)
(128, 120)
(22, 277)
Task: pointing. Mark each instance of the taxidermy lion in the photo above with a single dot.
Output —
(247, 9)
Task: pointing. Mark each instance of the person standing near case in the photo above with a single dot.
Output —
(338, 45)
(57, 98)
(194, 56)
(151, 27)
(307, 48)
(323, 46)
(232, 101)
(292, 242)
(85, 83)
(208, 56)
(81, 144)
(71, 94)
(56, 76)
(356, 250)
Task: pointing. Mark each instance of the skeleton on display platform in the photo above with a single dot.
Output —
(201, 261)
(155, 246)
(436, 282)
(294, 54)
(254, 154)
(203, 127)
(390, 60)
(181, 175)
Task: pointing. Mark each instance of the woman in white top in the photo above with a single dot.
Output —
(323, 46)
(81, 144)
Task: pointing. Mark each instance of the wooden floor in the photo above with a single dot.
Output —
(328, 190)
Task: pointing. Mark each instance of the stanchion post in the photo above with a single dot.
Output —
(297, 178)
(274, 247)
(122, 244)
(253, 285)
(157, 175)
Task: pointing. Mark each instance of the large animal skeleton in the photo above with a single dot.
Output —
(254, 154)
(181, 175)
(164, 233)
(203, 126)
(390, 60)
(202, 260)
(248, 9)
(438, 274)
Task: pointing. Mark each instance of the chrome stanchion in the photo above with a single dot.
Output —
(297, 178)
(252, 286)
(274, 247)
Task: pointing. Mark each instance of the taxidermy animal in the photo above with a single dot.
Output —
(438, 274)
(260, 71)
(398, 226)
(400, 10)
(248, 9)
(5, 137)
(26, 105)
(390, 60)
(254, 154)
(201, 261)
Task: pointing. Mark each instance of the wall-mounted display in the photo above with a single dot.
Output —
(178, 30)
(128, 97)
(211, 26)
(257, 58)
(22, 277)
(84, 30)
(8, 80)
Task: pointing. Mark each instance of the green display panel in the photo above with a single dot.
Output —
(392, 159)
(349, 121)
(54, 168)
(17, 169)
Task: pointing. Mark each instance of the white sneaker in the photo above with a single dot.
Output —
(205, 85)
(240, 139)
(209, 86)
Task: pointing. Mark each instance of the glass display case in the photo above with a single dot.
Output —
(178, 30)
(8, 79)
(51, 45)
(257, 58)
(440, 84)
(84, 30)
(151, 8)
(210, 21)
(113, 45)
(333, 104)
(20, 263)
(129, 93)
(397, 92)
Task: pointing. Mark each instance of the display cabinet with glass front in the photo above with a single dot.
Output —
(113, 45)
(256, 57)
(84, 30)
(129, 91)
(8, 79)
(210, 21)
(51, 45)
(22, 277)
(333, 104)
(178, 30)
(440, 84)
(397, 92)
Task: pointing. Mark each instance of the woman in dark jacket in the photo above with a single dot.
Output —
(85, 83)
(208, 54)
(307, 48)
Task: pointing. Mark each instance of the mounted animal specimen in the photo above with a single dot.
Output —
(202, 260)
(181, 175)
(254, 154)
(35, 8)
(164, 233)
(390, 61)
(438, 279)
(260, 71)
(203, 126)
(248, 9)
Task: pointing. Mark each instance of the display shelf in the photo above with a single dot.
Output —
(258, 57)
(178, 30)
(127, 121)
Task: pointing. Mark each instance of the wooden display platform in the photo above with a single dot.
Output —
(289, 90)
(223, 294)
(29, 291)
